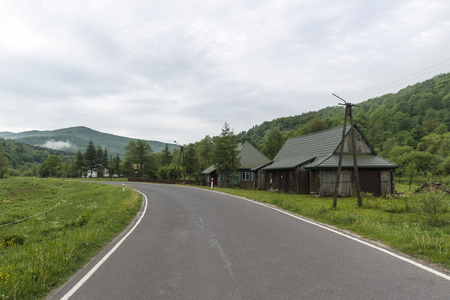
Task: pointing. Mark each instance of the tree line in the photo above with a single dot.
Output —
(186, 162)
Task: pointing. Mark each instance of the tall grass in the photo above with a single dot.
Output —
(415, 224)
(71, 222)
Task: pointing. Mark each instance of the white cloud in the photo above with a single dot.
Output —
(57, 145)
(178, 70)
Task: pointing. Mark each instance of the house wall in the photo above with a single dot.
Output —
(361, 144)
(260, 180)
(323, 182)
(288, 181)
(327, 183)
(303, 181)
(387, 182)
(272, 181)
(208, 177)
(314, 180)
(246, 185)
(375, 181)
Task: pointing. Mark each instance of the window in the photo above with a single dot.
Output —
(245, 176)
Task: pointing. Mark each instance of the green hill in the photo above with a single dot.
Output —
(77, 138)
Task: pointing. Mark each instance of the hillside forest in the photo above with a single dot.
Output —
(410, 128)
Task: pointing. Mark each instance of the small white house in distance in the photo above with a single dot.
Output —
(96, 174)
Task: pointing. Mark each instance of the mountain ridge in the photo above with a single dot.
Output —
(72, 139)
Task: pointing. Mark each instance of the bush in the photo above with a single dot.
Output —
(12, 239)
(434, 206)
(83, 219)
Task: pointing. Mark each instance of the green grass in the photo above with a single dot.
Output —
(403, 222)
(42, 252)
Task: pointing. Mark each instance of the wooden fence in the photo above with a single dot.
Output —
(165, 181)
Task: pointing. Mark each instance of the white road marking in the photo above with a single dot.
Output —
(410, 261)
(214, 243)
(98, 265)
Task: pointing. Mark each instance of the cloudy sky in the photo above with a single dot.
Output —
(179, 69)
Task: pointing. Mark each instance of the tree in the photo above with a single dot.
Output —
(191, 162)
(444, 149)
(226, 159)
(3, 163)
(430, 143)
(90, 158)
(317, 124)
(114, 166)
(80, 165)
(444, 167)
(361, 119)
(137, 156)
(274, 142)
(51, 166)
(169, 171)
(102, 159)
(205, 152)
(166, 156)
(401, 121)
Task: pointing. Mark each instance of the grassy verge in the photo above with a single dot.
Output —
(72, 221)
(415, 224)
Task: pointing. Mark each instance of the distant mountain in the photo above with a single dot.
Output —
(77, 138)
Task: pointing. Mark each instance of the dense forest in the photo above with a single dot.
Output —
(410, 128)
(24, 159)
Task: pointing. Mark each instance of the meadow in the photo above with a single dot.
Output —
(61, 225)
(417, 224)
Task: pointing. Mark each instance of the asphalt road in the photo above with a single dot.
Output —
(199, 244)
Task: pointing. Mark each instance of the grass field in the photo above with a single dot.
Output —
(65, 224)
(415, 224)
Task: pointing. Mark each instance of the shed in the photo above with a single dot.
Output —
(308, 164)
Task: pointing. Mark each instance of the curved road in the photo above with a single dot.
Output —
(199, 244)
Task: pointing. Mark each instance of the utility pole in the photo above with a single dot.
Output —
(179, 159)
(348, 112)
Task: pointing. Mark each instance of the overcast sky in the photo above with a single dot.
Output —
(178, 70)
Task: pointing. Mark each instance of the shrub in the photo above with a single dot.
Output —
(434, 206)
(83, 219)
(12, 239)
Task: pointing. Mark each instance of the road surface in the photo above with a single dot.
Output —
(199, 244)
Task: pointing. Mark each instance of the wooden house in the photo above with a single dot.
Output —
(250, 159)
(308, 164)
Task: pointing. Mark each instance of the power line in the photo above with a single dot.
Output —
(41, 213)
(402, 81)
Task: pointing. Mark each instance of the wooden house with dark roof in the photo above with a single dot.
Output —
(251, 160)
(308, 164)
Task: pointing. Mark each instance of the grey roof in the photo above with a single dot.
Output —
(322, 143)
(261, 166)
(288, 163)
(363, 160)
(251, 157)
(320, 148)
(209, 170)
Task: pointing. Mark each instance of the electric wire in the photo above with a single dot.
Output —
(404, 80)
(41, 213)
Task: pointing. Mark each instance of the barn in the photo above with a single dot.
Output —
(308, 165)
